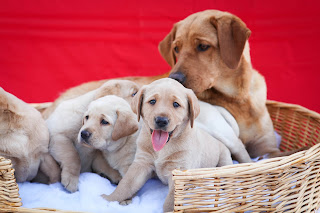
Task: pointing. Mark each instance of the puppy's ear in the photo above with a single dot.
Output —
(3, 99)
(126, 124)
(194, 107)
(165, 47)
(232, 37)
(6, 103)
(108, 88)
(136, 103)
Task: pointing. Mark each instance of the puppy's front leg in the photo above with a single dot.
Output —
(102, 167)
(169, 201)
(64, 152)
(50, 168)
(133, 180)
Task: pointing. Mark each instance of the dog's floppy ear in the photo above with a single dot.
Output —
(126, 124)
(165, 47)
(136, 103)
(6, 105)
(194, 107)
(107, 89)
(232, 37)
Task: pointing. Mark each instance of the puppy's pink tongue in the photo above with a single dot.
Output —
(159, 139)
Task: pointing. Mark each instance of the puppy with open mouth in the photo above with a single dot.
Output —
(168, 139)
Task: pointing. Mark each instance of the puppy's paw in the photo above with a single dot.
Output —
(125, 202)
(106, 197)
(70, 182)
(114, 178)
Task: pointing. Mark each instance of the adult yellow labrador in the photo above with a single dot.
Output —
(209, 53)
(168, 139)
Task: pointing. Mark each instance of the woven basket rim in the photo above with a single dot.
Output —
(295, 107)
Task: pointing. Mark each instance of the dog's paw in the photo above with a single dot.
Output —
(106, 197)
(125, 202)
(70, 182)
(114, 178)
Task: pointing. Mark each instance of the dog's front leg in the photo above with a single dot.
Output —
(102, 167)
(50, 168)
(64, 152)
(169, 201)
(133, 180)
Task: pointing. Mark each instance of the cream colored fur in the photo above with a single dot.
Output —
(118, 150)
(187, 147)
(24, 138)
(64, 125)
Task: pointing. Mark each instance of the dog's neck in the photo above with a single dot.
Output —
(236, 92)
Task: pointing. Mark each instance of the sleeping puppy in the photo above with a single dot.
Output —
(220, 124)
(110, 126)
(168, 140)
(64, 125)
(24, 139)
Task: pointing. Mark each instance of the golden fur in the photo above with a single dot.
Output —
(209, 52)
(188, 147)
(24, 138)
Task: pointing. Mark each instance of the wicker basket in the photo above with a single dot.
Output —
(9, 190)
(284, 184)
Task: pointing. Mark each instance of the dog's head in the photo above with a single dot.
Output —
(107, 120)
(167, 107)
(205, 47)
(123, 88)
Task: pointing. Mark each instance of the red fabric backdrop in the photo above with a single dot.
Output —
(49, 46)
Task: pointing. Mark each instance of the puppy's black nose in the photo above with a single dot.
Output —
(161, 121)
(85, 135)
(179, 76)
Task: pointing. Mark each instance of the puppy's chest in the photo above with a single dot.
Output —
(166, 162)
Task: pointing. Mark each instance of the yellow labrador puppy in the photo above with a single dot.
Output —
(111, 126)
(24, 138)
(168, 140)
(64, 125)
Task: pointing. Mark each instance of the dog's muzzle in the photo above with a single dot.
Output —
(178, 76)
(85, 135)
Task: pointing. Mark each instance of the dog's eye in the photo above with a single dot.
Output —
(104, 122)
(176, 105)
(203, 47)
(176, 49)
(152, 102)
(87, 117)
(133, 94)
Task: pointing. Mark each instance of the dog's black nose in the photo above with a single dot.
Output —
(179, 76)
(85, 135)
(162, 121)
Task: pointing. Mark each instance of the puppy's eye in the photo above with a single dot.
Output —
(87, 117)
(133, 94)
(176, 49)
(203, 47)
(176, 105)
(152, 102)
(104, 122)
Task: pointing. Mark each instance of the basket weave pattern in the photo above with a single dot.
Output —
(9, 190)
(284, 184)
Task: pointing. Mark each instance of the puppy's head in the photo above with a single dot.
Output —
(123, 88)
(166, 107)
(107, 120)
(205, 47)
